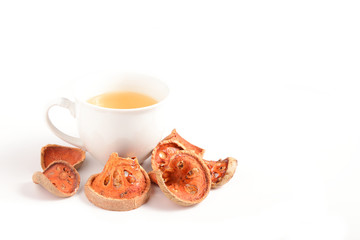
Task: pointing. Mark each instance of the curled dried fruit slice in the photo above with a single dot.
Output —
(174, 135)
(163, 152)
(122, 185)
(186, 180)
(221, 171)
(53, 152)
(59, 178)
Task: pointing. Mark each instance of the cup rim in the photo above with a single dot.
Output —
(160, 102)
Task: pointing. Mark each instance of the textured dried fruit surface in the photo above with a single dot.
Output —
(163, 152)
(221, 171)
(121, 178)
(122, 185)
(174, 135)
(53, 152)
(62, 177)
(59, 178)
(186, 180)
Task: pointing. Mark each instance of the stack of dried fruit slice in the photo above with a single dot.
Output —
(59, 163)
(183, 184)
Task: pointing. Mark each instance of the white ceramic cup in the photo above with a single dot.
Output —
(129, 132)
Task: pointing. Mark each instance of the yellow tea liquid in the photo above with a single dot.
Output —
(122, 100)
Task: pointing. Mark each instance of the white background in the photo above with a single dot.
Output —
(274, 84)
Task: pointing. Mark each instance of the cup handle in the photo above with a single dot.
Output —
(65, 103)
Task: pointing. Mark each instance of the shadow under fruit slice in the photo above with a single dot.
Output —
(53, 152)
(221, 171)
(186, 180)
(59, 178)
(122, 185)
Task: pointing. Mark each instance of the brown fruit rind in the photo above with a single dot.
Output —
(187, 179)
(174, 135)
(68, 178)
(112, 203)
(221, 176)
(54, 152)
(106, 198)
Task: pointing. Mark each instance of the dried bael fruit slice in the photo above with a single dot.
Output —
(186, 180)
(53, 152)
(221, 171)
(163, 152)
(59, 178)
(122, 185)
(170, 145)
(174, 135)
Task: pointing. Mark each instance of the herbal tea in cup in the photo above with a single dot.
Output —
(122, 100)
(114, 112)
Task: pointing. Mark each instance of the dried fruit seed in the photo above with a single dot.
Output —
(162, 155)
(192, 173)
(180, 165)
(192, 189)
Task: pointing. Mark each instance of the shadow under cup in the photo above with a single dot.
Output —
(129, 132)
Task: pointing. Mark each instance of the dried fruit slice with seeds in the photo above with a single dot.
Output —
(53, 152)
(122, 185)
(163, 152)
(59, 178)
(186, 180)
(221, 171)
